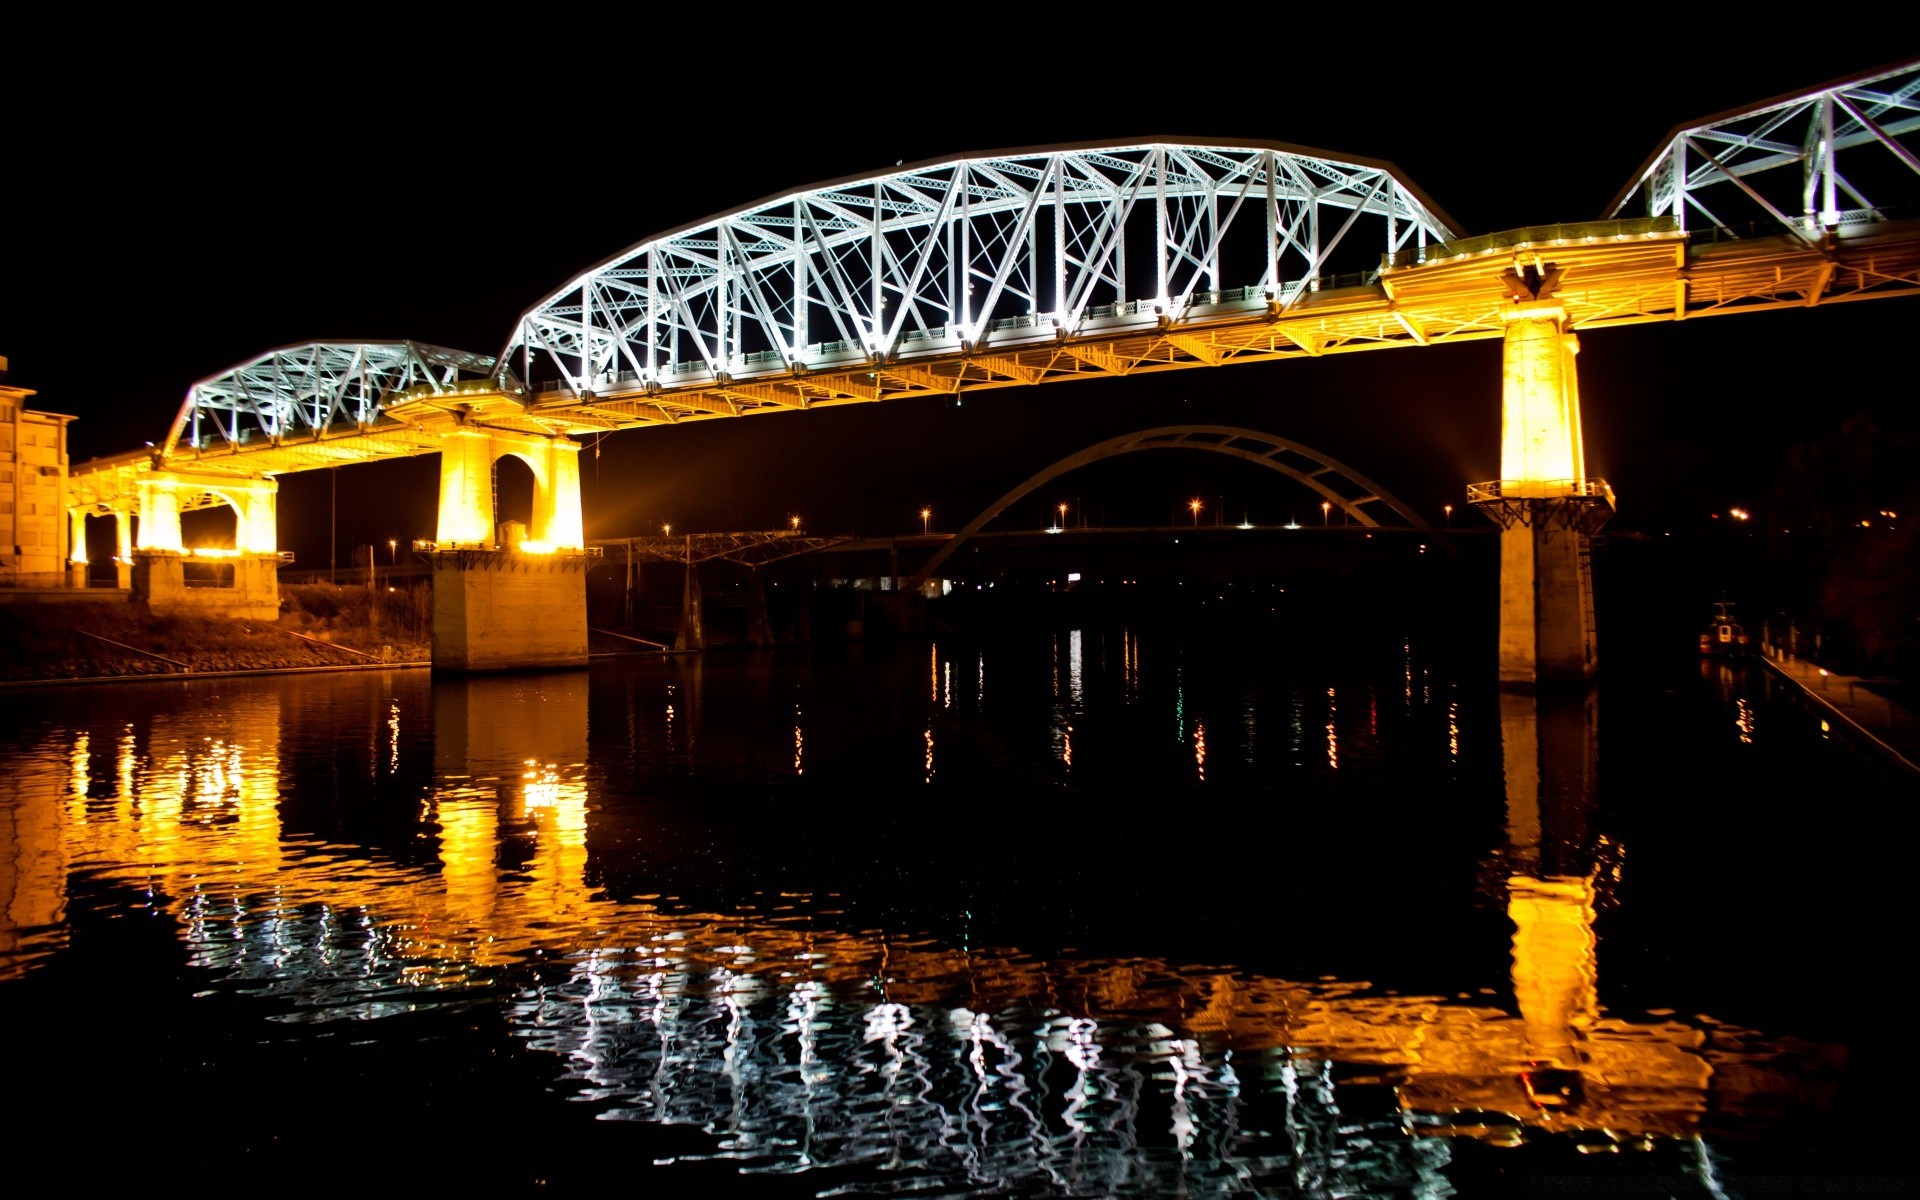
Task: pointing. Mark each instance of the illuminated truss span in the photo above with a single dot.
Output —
(1777, 165)
(312, 391)
(937, 276)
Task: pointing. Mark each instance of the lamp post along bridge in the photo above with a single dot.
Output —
(1038, 266)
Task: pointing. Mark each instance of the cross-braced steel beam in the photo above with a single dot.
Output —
(972, 255)
(1802, 164)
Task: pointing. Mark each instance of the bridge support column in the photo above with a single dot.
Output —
(1546, 506)
(466, 491)
(759, 628)
(693, 629)
(241, 582)
(123, 550)
(77, 548)
(514, 608)
(508, 610)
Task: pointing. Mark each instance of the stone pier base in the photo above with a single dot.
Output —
(1546, 606)
(502, 610)
(692, 634)
(159, 583)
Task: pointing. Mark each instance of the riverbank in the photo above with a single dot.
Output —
(57, 642)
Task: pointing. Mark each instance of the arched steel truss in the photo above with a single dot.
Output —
(1776, 165)
(964, 255)
(1359, 497)
(314, 388)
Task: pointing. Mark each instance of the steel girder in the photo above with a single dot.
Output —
(314, 389)
(1776, 165)
(965, 255)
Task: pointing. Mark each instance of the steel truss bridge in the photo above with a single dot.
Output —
(1091, 261)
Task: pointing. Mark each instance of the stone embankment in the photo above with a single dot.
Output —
(44, 643)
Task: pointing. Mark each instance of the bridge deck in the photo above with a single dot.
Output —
(1611, 273)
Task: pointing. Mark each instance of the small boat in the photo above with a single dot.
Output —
(1724, 635)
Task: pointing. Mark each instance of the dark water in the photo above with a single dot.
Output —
(1094, 912)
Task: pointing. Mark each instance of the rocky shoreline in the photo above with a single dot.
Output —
(52, 643)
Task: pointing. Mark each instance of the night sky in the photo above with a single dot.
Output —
(224, 204)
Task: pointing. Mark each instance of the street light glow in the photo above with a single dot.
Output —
(1326, 512)
(926, 515)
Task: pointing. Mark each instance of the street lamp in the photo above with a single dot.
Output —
(1448, 509)
(666, 531)
(1326, 512)
(393, 552)
(926, 515)
(795, 519)
(1194, 507)
(1063, 516)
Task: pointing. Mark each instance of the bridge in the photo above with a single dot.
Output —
(1037, 266)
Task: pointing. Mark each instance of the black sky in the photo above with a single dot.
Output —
(171, 211)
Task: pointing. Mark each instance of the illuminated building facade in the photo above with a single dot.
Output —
(33, 484)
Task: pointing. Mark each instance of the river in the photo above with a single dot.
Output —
(1103, 911)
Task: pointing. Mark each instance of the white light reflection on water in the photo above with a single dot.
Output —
(1074, 667)
(950, 1071)
(1179, 704)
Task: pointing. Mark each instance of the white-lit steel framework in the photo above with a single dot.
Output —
(1777, 165)
(312, 390)
(975, 257)
(1093, 261)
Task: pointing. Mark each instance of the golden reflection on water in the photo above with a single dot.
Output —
(194, 820)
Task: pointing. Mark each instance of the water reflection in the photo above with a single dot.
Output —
(803, 1040)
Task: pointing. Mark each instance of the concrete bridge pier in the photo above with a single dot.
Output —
(246, 583)
(123, 541)
(1545, 504)
(759, 628)
(513, 603)
(77, 548)
(692, 634)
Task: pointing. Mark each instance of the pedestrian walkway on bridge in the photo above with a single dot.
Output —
(1857, 701)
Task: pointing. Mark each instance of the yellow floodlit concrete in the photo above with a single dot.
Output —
(1540, 401)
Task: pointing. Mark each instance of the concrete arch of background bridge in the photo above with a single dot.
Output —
(1359, 498)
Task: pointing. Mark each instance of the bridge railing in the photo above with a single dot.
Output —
(949, 339)
(1534, 235)
(1495, 490)
(1847, 223)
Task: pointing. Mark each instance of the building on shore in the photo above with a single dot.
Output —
(33, 489)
